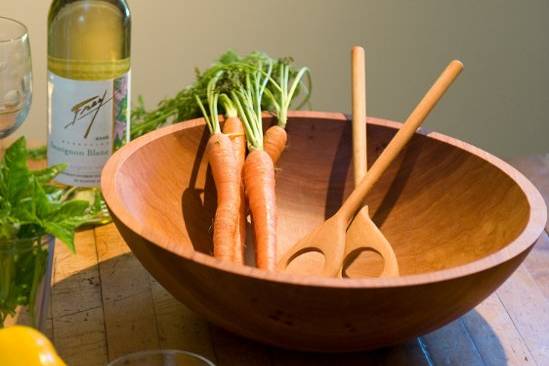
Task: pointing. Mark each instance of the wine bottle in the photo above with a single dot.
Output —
(88, 86)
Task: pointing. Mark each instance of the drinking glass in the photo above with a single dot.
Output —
(162, 358)
(15, 75)
(25, 280)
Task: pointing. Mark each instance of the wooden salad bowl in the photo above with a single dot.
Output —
(460, 221)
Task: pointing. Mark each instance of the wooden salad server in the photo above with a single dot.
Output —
(363, 234)
(329, 237)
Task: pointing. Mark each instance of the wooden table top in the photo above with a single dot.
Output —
(104, 304)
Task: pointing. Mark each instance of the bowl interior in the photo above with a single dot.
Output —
(438, 205)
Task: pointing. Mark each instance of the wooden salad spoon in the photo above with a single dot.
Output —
(329, 237)
(363, 234)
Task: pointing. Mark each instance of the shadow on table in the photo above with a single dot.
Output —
(453, 344)
(140, 314)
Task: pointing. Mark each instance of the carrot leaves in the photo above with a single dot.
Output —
(212, 115)
(183, 105)
(284, 89)
(247, 98)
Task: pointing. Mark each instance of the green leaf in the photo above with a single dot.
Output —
(63, 222)
(63, 232)
(16, 154)
(229, 57)
(42, 206)
(54, 193)
(47, 174)
(70, 209)
(15, 173)
(38, 153)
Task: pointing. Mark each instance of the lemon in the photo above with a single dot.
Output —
(25, 346)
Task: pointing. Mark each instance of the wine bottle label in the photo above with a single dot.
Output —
(88, 121)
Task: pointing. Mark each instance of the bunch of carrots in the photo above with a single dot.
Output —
(242, 157)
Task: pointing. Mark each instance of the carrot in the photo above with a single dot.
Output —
(227, 179)
(275, 142)
(281, 97)
(259, 180)
(258, 172)
(235, 129)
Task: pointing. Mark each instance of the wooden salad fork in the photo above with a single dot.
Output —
(363, 234)
(329, 237)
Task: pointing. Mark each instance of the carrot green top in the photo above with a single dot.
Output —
(212, 118)
(247, 99)
(281, 93)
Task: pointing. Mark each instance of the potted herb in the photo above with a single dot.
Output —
(32, 212)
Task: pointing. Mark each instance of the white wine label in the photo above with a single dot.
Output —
(87, 120)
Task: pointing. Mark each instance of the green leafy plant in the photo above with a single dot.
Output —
(30, 208)
(234, 69)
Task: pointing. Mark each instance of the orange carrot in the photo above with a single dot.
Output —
(227, 183)
(284, 89)
(234, 128)
(227, 177)
(275, 142)
(259, 180)
(258, 172)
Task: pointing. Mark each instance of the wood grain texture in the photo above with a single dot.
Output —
(529, 311)
(178, 326)
(77, 308)
(358, 95)
(450, 259)
(537, 265)
(126, 296)
(536, 168)
(494, 334)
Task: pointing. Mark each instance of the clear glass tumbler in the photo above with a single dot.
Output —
(162, 358)
(25, 280)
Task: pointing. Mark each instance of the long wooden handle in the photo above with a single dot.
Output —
(358, 78)
(354, 201)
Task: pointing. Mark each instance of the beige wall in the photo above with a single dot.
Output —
(500, 103)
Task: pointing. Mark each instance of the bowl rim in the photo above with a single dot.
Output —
(527, 238)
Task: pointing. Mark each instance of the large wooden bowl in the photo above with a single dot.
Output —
(460, 220)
